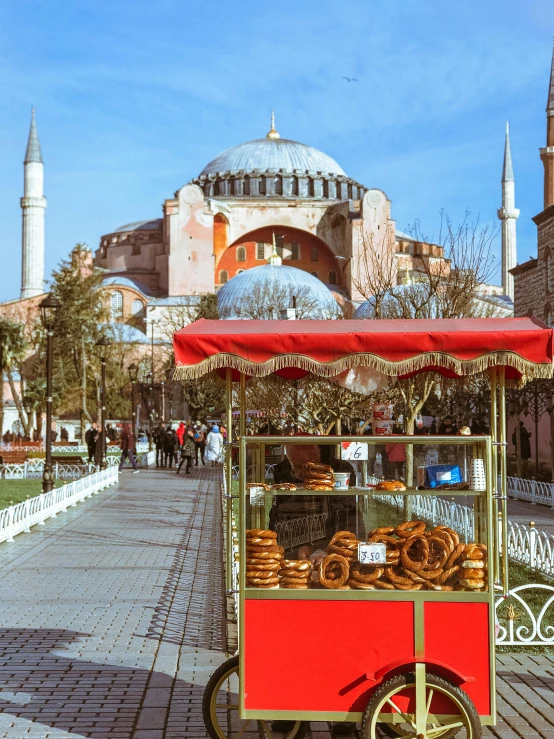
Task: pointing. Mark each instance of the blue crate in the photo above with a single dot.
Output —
(438, 474)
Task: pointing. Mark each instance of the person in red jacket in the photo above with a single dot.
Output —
(181, 433)
(128, 448)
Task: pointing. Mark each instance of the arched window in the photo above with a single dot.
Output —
(261, 185)
(311, 187)
(315, 274)
(332, 277)
(279, 244)
(223, 276)
(294, 250)
(116, 304)
(315, 254)
(240, 271)
(278, 186)
(241, 254)
(260, 251)
(247, 185)
(137, 307)
(294, 185)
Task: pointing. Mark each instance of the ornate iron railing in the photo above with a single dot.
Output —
(534, 629)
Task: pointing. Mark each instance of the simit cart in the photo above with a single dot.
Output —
(408, 652)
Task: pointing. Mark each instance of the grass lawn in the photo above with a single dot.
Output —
(15, 491)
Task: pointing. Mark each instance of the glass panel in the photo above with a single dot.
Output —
(316, 518)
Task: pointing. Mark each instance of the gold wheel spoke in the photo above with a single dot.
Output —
(429, 699)
(267, 731)
(401, 713)
(243, 728)
(442, 729)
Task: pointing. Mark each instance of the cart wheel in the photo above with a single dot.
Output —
(460, 713)
(220, 707)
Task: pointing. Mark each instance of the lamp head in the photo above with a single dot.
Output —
(48, 311)
(103, 343)
(133, 369)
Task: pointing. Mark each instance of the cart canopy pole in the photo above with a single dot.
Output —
(494, 477)
(229, 475)
(503, 478)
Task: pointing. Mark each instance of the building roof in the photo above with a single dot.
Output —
(122, 333)
(152, 225)
(33, 153)
(266, 154)
(524, 267)
(176, 300)
(127, 282)
(270, 282)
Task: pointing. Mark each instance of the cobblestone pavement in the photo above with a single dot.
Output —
(112, 622)
(521, 511)
(111, 618)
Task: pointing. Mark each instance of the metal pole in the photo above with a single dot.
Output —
(150, 412)
(494, 437)
(104, 462)
(229, 475)
(536, 419)
(133, 410)
(162, 390)
(47, 477)
(503, 477)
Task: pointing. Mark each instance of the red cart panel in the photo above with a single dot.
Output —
(457, 634)
(313, 655)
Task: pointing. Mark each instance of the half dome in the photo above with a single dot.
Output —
(267, 154)
(262, 292)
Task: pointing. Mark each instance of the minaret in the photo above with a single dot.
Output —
(508, 214)
(547, 154)
(33, 204)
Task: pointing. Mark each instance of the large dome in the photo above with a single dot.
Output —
(261, 292)
(267, 154)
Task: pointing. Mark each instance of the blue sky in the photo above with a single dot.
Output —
(134, 97)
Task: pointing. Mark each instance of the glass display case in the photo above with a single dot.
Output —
(323, 525)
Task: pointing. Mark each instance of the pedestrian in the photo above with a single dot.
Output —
(181, 431)
(128, 448)
(63, 434)
(214, 446)
(91, 437)
(396, 454)
(170, 446)
(158, 438)
(199, 444)
(524, 447)
(99, 447)
(188, 450)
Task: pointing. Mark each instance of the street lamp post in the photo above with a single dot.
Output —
(150, 377)
(162, 393)
(169, 375)
(133, 376)
(49, 308)
(103, 344)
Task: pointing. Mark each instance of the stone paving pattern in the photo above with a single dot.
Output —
(112, 621)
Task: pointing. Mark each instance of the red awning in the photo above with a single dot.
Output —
(454, 347)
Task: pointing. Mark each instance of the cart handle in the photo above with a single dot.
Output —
(382, 671)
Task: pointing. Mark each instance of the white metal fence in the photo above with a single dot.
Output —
(517, 625)
(531, 490)
(35, 511)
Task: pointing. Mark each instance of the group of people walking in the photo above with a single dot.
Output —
(187, 443)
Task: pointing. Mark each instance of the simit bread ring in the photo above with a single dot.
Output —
(473, 574)
(384, 539)
(413, 586)
(312, 486)
(260, 574)
(263, 553)
(283, 486)
(445, 536)
(439, 550)
(384, 530)
(411, 564)
(272, 549)
(294, 574)
(383, 585)
(333, 559)
(472, 584)
(256, 541)
(262, 564)
(455, 556)
(447, 574)
(260, 533)
(410, 528)
(390, 486)
(262, 581)
(396, 578)
(473, 564)
(355, 585)
(320, 475)
(318, 467)
(296, 564)
(360, 573)
(343, 535)
(294, 586)
(257, 485)
(450, 532)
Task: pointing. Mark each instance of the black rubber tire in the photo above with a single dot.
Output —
(401, 681)
(232, 665)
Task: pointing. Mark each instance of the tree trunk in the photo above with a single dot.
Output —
(20, 410)
(408, 502)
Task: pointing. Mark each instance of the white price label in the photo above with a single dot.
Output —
(372, 553)
(257, 496)
(354, 450)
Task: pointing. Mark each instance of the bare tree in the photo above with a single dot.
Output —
(439, 280)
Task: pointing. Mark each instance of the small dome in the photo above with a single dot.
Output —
(261, 292)
(266, 154)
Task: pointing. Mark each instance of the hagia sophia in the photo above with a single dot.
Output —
(266, 212)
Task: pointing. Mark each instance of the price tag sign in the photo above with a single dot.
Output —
(354, 450)
(372, 553)
(257, 496)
